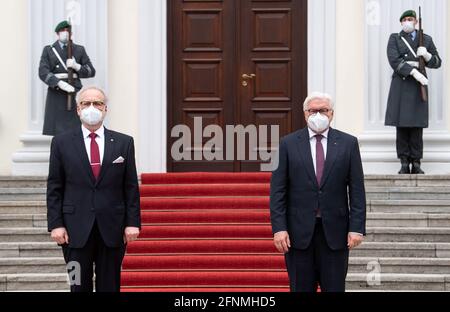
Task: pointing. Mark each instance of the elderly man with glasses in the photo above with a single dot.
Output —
(93, 197)
(317, 200)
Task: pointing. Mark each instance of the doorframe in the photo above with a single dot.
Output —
(154, 95)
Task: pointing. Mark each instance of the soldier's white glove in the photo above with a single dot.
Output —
(422, 51)
(72, 63)
(419, 77)
(66, 87)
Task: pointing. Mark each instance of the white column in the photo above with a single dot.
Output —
(322, 46)
(378, 142)
(90, 30)
(153, 85)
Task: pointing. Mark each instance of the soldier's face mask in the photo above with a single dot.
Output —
(63, 36)
(408, 26)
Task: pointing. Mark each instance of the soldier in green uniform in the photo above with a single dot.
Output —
(53, 71)
(406, 109)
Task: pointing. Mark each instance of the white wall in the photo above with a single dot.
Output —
(13, 80)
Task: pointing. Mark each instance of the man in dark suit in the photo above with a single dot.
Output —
(93, 197)
(317, 200)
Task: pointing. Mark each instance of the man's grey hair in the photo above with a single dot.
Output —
(318, 96)
(80, 94)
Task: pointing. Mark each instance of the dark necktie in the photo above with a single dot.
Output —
(95, 156)
(320, 158)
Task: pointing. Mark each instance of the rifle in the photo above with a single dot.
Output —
(423, 89)
(70, 72)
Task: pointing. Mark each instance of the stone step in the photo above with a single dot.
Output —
(409, 234)
(408, 193)
(29, 250)
(392, 193)
(400, 265)
(23, 235)
(356, 265)
(375, 234)
(21, 194)
(373, 220)
(32, 282)
(398, 282)
(32, 265)
(23, 182)
(23, 221)
(367, 249)
(370, 180)
(355, 282)
(407, 180)
(409, 206)
(399, 249)
(23, 207)
(407, 220)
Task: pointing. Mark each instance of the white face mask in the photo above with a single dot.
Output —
(408, 27)
(64, 36)
(91, 116)
(318, 123)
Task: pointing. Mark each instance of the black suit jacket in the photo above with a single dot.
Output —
(295, 194)
(75, 199)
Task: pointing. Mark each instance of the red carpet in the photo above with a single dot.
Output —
(204, 232)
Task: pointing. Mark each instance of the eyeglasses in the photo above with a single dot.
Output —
(321, 111)
(97, 104)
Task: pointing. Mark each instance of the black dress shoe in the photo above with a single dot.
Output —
(405, 167)
(416, 168)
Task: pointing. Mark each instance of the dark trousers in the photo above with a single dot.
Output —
(95, 254)
(410, 143)
(317, 265)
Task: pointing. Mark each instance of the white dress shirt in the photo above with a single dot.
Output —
(100, 139)
(313, 141)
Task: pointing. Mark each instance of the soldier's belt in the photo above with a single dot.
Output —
(413, 64)
(65, 76)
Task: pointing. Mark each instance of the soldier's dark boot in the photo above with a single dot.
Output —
(405, 166)
(416, 167)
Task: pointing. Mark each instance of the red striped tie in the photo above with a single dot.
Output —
(95, 156)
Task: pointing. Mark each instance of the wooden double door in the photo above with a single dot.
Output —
(235, 62)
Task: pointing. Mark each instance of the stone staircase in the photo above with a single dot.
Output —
(29, 260)
(407, 247)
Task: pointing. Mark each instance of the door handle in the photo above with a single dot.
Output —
(248, 76)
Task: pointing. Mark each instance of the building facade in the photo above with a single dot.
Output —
(130, 45)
